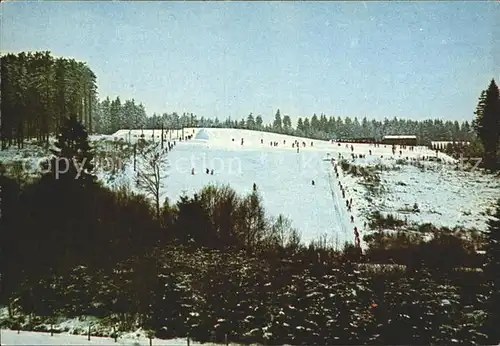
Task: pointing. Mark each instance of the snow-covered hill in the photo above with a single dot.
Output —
(444, 195)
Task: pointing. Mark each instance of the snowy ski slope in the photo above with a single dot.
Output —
(445, 196)
(284, 178)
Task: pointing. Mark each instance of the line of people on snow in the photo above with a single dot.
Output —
(295, 144)
(348, 202)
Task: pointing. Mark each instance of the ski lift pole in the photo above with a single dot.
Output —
(135, 151)
(162, 135)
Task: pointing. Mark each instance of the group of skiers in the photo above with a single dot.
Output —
(207, 171)
(411, 148)
(169, 147)
(295, 144)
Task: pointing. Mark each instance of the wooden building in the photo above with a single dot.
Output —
(400, 140)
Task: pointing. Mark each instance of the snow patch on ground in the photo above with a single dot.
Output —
(10, 337)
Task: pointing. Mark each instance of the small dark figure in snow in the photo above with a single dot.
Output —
(212, 172)
(261, 141)
(192, 171)
(297, 149)
(293, 145)
(400, 152)
(311, 144)
(350, 201)
(352, 218)
(347, 203)
(352, 148)
(370, 151)
(313, 182)
(284, 141)
(343, 195)
(254, 187)
(207, 170)
(356, 236)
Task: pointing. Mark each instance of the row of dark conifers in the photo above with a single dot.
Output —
(387, 140)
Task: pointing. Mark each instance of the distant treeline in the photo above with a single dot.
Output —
(38, 90)
(326, 128)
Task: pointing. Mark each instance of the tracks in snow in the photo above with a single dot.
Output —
(337, 207)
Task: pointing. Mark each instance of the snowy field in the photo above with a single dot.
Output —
(445, 196)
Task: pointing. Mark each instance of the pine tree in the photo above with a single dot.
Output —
(169, 312)
(287, 124)
(73, 154)
(277, 124)
(258, 122)
(492, 273)
(250, 123)
(487, 123)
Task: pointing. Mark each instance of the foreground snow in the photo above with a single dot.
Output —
(11, 337)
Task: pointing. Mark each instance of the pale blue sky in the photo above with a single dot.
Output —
(376, 59)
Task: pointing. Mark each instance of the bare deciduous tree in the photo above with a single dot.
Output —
(151, 173)
(282, 234)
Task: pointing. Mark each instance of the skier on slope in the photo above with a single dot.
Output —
(356, 236)
(254, 187)
(313, 182)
